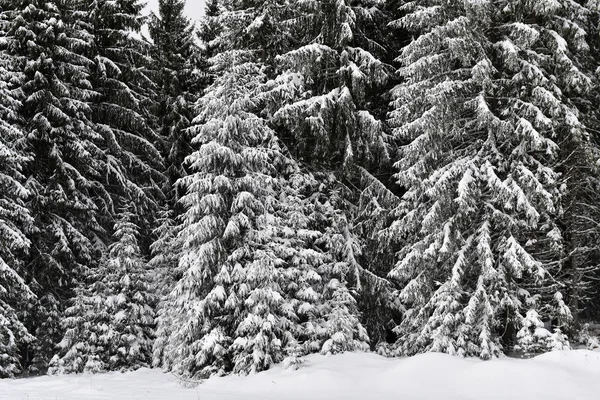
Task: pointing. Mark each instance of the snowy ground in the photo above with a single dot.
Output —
(565, 375)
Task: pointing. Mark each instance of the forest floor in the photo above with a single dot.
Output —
(561, 375)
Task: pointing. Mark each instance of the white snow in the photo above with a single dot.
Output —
(559, 375)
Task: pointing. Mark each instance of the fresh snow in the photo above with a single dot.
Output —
(559, 375)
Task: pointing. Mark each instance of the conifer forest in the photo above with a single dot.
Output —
(289, 177)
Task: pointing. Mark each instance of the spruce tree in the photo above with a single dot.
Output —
(110, 326)
(122, 109)
(208, 31)
(226, 312)
(482, 118)
(572, 62)
(326, 102)
(446, 68)
(65, 159)
(165, 252)
(15, 218)
(178, 84)
(130, 172)
(328, 82)
(555, 55)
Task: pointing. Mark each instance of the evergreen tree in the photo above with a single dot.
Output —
(563, 80)
(209, 30)
(110, 326)
(342, 328)
(573, 64)
(226, 312)
(15, 219)
(254, 237)
(63, 172)
(178, 83)
(326, 101)
(165, 253)
(328, 82)
(121, 110)
(481, 118)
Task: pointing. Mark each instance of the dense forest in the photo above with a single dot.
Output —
(295, 176)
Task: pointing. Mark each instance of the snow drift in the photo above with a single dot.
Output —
(572, 375)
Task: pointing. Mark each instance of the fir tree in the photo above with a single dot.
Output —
(563, 80)
(165, 252)
(63, 172)
(178, 83)
(326, 102)
(15, 219)
(110, 326)
(209, 30)
(121, 110)
(226, 311)
(255, 244)
(327, 86)
(342, 327)
(479, 217)
(573, 51)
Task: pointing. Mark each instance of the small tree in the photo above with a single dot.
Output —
(111, 325)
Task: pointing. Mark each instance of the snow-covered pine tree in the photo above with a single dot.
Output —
(121, 110)
(582, 172)
(328, 83)
(110, 326)
(341, 327)
(165, 252)
(321, 273)
(209, 29)
(178, 83)
(226, 312)
(573, 63)
(250, 255)
(15, 219)
(326, 102)
(478, 220)
(329, 324)
(62, 174)
(440, 67)
(549, 42)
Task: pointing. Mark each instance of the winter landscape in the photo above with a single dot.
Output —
(300, 199)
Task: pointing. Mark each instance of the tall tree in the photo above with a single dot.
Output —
(228, 300)
(554, 61)
(180, 77)
(574, 52)
(482, 119)
(130, 173)
(328, 108)
(252, 239)
(122, 109)
(66, 161)
(15, 218)
(178, 84)
(328, 82)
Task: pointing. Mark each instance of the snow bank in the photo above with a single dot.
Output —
(564, 375)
